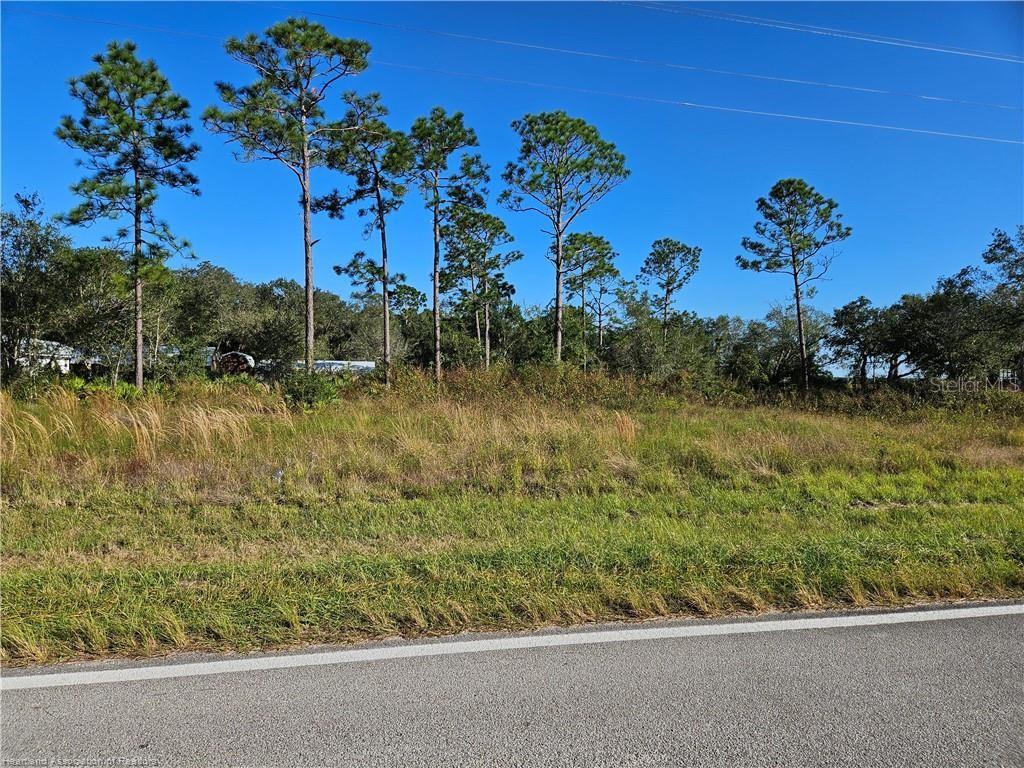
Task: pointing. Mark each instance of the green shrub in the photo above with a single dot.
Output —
(308, 391)
(76, 385)
(24, 385)
(122, 390)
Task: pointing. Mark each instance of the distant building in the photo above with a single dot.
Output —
(357, 367)
(38, 354)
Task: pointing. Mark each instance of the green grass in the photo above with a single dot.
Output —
(214, 517)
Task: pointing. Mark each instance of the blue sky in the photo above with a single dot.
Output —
(921, 206)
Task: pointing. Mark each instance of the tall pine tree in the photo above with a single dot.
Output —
(564, 167)
(379, 159)
(435, 139)
(135, 134)
(671, 265)
(474, 242)
(588, 258)
(797, 224)
(281, 117)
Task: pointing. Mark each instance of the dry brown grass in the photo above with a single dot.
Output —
(215, 444)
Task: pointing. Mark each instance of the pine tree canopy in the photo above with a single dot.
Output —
(135, 135)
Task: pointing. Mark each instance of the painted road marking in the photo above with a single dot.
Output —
(522, 642)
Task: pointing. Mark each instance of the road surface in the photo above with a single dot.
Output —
(936, 687)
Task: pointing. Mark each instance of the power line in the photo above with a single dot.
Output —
(602, 56)
(695, 105)
(124, 24)
(654, 62)
(587, 91)
(830, 32)
(799, 26)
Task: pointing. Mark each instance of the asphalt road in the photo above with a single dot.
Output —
(929, 693)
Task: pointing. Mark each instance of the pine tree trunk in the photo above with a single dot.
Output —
(437, 291)
(385, 284)
(583, 322)
(600, 321)
(154, 359)
(476, 309)
(487, 330)
(137, 279)
(664, 317)
(307, 244)
(805, 379)
(558, 292)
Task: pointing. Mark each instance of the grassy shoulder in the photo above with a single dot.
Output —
(218, 518)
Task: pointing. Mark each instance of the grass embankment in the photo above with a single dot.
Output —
(215, 517)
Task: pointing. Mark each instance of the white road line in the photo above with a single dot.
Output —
(325, 658)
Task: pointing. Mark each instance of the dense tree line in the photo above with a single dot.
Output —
(968, 325)
(122, 305)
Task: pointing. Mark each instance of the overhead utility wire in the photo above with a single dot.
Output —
(695, 105)
(589, 54)
(800, 26)
(652, 62)
(829, 32)
(528, 83)
(124, 24)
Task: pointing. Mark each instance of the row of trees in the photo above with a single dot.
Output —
(969, 325)
(135, 137)
(134, 132)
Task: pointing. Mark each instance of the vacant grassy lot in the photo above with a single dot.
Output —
(214, 516)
